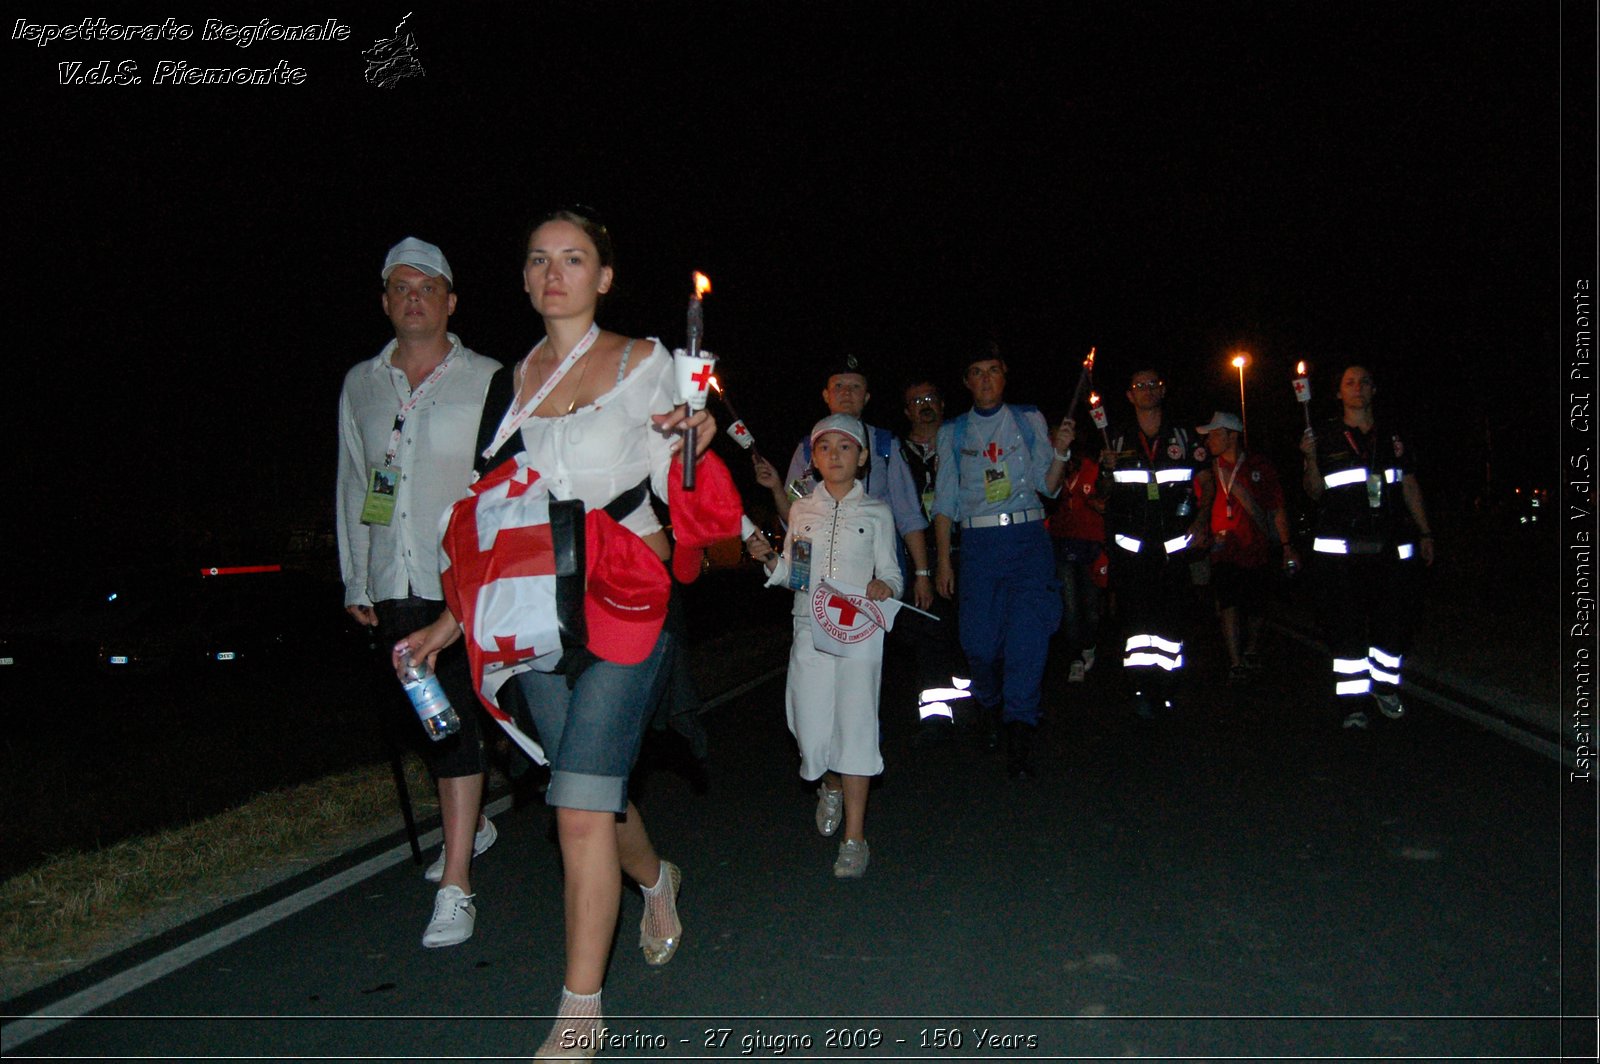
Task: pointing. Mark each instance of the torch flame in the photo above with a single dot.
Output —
(1094, 398)
(702, 284)
(1300, 369)
(716, 385)
(1088, 363)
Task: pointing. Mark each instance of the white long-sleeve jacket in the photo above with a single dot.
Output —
(852, 540)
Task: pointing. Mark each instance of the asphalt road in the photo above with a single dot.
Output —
(1242, 880)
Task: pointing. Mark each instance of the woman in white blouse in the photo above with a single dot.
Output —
(595, 415)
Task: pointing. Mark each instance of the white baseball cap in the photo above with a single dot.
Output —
(844, 423)
(419, 255)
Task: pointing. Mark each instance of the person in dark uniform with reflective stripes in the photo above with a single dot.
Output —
(1158, 489)
(1372, 540)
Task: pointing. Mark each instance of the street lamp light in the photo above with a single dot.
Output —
(1239, 361)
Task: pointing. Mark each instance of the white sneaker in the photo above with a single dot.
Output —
(830, 809)
(1088, 658)
(481, 841)
(1356, 719)
(1389, 704)
(453, 918)
(853, 857)
(1077, 672)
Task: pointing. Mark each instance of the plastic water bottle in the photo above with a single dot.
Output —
(429, 700)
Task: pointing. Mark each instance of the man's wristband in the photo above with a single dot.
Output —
(923, 572)
(1063, 457)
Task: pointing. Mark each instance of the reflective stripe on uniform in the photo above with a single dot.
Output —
(1143, 651)
(1130, 476)
(1146, 658)
(1328, 545)
(1345, 476)
(1173, 476)
(1384, 658)
(1128, 543)
(1176, 544)
(1362, 686)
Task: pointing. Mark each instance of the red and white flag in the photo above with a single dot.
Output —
(847, 624)
(499, 576)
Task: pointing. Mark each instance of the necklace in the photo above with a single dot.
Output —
(578, 387)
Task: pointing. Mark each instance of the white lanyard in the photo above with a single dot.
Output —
(410, 405)
(1227, 485)
(513, 419)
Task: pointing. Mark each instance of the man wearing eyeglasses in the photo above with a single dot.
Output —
(1158, 489)
(941, 668)
(408, 425)
(995, 462)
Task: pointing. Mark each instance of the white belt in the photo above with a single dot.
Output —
(1002, 520)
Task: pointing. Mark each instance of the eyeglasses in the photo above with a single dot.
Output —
(1144, 386)
(923, 400)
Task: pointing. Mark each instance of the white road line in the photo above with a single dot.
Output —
(24, 1029)
(47, 1019)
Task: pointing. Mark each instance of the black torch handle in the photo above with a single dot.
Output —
(689, 450)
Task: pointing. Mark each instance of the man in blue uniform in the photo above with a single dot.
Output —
(1158, 490)
(1372, 538)
(994, 463)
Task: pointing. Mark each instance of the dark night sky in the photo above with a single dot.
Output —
(196, 267)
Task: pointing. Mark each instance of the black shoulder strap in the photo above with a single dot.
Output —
(496, 401)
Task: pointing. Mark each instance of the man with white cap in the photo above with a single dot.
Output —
(408, 426)
(1249, 527)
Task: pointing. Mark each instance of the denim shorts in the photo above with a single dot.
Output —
(591, 733)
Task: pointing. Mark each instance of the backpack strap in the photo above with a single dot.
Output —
(496, 401)
(882, 443)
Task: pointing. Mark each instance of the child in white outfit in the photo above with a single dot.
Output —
(837, 533)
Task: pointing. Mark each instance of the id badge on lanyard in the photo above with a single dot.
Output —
(1375, 490)
(383, 484)
(996, 484)
(800, 565)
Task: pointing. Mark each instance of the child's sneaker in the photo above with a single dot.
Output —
(852, 862)
(830, 809)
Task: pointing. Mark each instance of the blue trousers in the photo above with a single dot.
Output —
(1010, 606)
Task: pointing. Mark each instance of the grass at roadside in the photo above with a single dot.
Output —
(74, 908)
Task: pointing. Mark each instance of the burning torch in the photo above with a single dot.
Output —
(1084, 378)
(693, 373)
(738, 429)
(1302, 392)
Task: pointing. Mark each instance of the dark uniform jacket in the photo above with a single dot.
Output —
(1150, 493)
(1361, 473)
